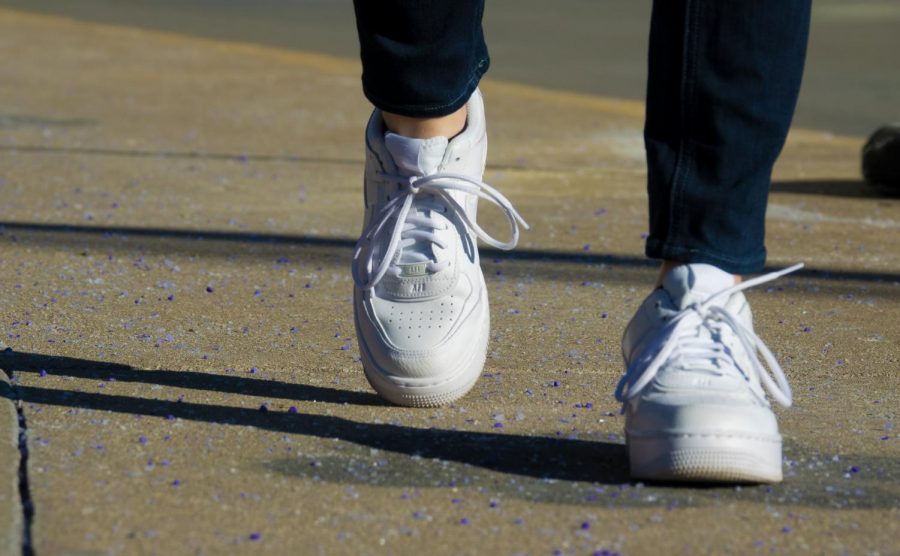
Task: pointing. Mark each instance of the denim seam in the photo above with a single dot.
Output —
(683, 160)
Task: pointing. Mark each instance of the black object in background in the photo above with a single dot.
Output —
(881, 159)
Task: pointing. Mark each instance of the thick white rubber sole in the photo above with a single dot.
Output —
(436, 391)
(708, 457)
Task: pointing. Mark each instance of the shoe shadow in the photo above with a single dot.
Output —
(531, 456)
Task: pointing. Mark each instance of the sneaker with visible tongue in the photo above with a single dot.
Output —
(420, 302)
(693, 392)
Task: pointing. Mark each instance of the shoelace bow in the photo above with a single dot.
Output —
(668, 347)
(367, 272)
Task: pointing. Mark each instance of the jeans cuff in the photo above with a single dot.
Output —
(656, 249)
(433, 110)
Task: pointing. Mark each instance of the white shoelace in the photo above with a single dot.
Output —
(367, 272)
(672, 347)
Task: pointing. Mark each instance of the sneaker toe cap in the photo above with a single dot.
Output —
(422, 340)
(695, 415)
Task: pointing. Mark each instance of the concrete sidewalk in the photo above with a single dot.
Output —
(178, 216)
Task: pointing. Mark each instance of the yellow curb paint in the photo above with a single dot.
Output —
(335, 64)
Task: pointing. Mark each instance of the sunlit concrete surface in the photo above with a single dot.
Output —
(178, 216)
(851, 84)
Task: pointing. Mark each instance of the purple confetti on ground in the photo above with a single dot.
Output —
(253, 370)
(176, 483)
(43, 372)
(142, 439)
(498, 425)
(292, 410)
(786, 529)
(263, 408)
(464, 521)
(855, 469)
(209, 289)
(585, 525)
(255, 536)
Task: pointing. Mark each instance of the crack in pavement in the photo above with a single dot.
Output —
(25, 501)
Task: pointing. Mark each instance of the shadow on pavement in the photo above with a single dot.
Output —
(532, 456)
(100, 370)
(182, 155)
(76, 235)
(11, 121)
(834, 188)
(378, 454)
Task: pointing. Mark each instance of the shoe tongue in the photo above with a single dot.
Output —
(416, 157)
(695, 283)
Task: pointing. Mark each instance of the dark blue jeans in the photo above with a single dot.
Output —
(722, 87)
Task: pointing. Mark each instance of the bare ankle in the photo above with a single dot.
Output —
(669, 265)
(425, 128)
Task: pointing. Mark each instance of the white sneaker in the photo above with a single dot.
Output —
(692, 393)
(420, 302)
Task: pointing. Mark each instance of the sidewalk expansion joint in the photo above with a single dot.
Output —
(24, 486)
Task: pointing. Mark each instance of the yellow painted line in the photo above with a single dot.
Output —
(322, 62)
(335, 64)
(859, 11)
(624, 107)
